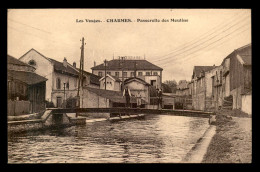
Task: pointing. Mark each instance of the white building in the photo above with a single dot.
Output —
(124, 69)
(112, 83)
(138, 85)
(59, 74)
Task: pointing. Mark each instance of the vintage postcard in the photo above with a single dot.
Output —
(129, 86)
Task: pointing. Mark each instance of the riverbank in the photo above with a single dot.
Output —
(232, 142)
(196, 154)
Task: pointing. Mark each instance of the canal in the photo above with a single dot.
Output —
(155, 139)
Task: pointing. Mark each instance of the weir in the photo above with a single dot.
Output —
(47, 120)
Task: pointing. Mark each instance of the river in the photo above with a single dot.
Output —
(155, 139)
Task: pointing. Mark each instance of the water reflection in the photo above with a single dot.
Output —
(160, 139)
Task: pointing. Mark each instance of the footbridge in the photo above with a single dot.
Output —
(59, 116)
(120, 110)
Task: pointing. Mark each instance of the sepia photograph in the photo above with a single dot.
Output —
(129, 86)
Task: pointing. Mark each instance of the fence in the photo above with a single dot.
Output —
(167, 103)
(18, 107)
(185, 103)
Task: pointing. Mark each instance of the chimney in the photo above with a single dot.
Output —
(74, 64)
(94, 63)
(65, 62)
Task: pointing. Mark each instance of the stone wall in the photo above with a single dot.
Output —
(247, 104)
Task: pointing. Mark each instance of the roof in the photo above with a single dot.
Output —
(112, 77)
(246, 59)
(243, 47)
(36, 52)
(169, 95)
(239, 50)
(15, 61)
(29, 78)
(135, 79)
(94, 79)
(59, 67)
(128, 65)
(198, 69)
(114, 96)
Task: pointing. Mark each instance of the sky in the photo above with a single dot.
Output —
(204, 37)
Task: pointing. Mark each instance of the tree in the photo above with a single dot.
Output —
(172, 84)
(166, 88)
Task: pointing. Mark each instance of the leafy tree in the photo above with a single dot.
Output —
(172, 84)
(166, 88)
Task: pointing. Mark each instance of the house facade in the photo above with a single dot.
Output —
(62, 83)
(201, 88)
(26, 89)
(241, 76)
(137, 85)
(110, 83)
(100, 98)
(183, 88)
(124, 69)
(214, 88)
(226, 86)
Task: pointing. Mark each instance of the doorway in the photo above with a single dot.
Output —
(153, 82)
(59, 102)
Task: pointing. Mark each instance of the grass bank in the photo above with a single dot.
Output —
(232, 142)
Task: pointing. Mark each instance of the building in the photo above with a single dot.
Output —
(100, 98)
(226, 86)
(26, 89)
(241, 77)
(138, 85)
(201, 88)
(183, 88)
(214, 86)
(124, 69)
(110, 83)
(183, 99)
(62, 83)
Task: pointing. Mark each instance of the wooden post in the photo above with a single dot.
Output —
(80, 81)
(105, 63)
(64, 101)
(123, 73)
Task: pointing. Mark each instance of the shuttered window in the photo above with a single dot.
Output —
(58, 83)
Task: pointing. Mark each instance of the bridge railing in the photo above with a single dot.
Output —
(134, 111)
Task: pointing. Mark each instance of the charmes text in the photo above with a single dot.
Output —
(118, 20)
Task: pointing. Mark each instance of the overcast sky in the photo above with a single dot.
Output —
(206, 38)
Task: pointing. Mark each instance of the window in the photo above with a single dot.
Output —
(109, 73)
(20, 88)
(32, 62)
(140, 73)
(220, 76)
(75, 83)
(155, 73)
(125, 74)
(132, 74)
(58, 83)
(117, 74)
(68, 85)
(147, 73)
(100, 74)
(213, 78)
